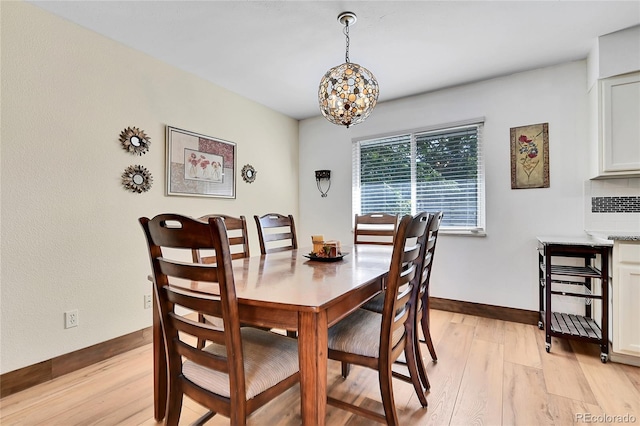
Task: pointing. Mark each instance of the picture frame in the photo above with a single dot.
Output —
(200, 165)
(530, 156)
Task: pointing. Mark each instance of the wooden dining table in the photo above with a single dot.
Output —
(286, 290)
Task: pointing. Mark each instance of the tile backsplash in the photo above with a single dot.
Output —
(615, 204)
(612, 205)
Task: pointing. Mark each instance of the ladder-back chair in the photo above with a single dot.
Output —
(244, 368)
(375, 228)
(422, 313)
(375, 341)
(238, 238)
(276, 232)
(238, 246)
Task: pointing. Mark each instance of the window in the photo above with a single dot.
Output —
(435, 169)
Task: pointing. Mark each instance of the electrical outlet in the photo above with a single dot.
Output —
(147, 301)
(71, 319)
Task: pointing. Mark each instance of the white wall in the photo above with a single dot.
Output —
(70, 238)
(501, 268)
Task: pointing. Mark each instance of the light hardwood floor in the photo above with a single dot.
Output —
(489, 372)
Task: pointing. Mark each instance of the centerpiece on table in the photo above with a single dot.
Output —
(325, 250)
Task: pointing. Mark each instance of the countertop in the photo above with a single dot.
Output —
(615, 235)
(586, 240)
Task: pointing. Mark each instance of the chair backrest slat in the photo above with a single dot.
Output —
(205, 359)
(195, 328)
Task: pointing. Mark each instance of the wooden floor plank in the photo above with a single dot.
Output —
(66, 393)
(633, 373)
(479, 400)
(613, 390)
(465, 319)
(524, 399)
(439, 321)
(490, 329)
(521, 345)
(562, 373)
(526, 402)
(566, 411)
(445, 375)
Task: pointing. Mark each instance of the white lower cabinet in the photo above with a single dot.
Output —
(626, 302)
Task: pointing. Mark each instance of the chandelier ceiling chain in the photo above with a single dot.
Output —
(346, 34)
(348, 92)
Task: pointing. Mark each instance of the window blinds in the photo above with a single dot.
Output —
(435, 170)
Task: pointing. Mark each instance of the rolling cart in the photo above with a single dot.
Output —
(586, 281)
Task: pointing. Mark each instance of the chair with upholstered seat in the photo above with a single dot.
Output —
(422, 299)
(422, 312)
(375, 341)
(276, 232)
(238, 238)
(242, 369)
(238, 246)
(375, 228)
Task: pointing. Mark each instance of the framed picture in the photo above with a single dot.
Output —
(199, 165)
(530, 156)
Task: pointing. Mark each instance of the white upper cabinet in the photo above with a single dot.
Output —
(619, 126)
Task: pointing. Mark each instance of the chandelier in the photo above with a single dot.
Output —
(348, 92)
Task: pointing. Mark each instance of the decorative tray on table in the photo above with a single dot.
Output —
(325, 251)
(323, 258)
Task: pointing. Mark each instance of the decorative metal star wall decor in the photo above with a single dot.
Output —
(137, 179)
(135, 141)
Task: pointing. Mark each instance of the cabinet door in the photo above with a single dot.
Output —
(626, 310)
(620, 123)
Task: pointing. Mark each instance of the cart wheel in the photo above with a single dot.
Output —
(603, 358)
(540, 325)
(547, 347)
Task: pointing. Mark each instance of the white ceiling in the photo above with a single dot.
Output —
(276, 52)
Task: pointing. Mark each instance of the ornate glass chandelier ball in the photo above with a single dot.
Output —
(347, 94)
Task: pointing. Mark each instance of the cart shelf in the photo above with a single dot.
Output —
(575, 271)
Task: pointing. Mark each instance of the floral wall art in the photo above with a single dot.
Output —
(530, 156)
(199, 165)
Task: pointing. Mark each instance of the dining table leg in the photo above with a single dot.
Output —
(312, 350)
(159, 367)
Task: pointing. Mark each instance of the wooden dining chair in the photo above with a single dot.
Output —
(375, 341)
(422, 312)
(421, 301)
(238, 246)
(238, 238)
(375, 228)
(244, 368)
(276, 232)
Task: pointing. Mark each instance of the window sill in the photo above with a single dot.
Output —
(463, 232)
